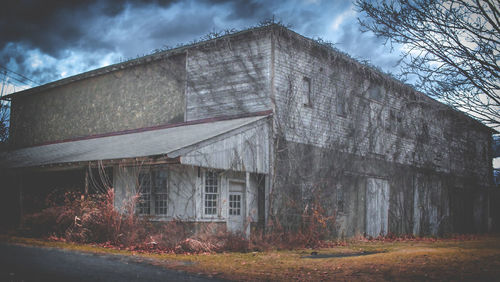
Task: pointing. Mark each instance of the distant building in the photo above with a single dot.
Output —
(255, 127)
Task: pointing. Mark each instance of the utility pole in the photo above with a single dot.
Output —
(3, 82)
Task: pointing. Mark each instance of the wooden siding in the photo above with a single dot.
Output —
(229, 77)
(247, 150)
(402, 126)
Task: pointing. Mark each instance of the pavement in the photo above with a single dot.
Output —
(29, 263)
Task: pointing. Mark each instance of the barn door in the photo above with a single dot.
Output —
(377, 207)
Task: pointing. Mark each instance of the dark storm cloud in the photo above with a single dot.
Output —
(47, 40)
(33, 30)
(248, 9)
(55, 25)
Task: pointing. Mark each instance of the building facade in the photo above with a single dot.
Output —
(258, 127)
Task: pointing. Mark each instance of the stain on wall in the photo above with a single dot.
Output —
(144, 95)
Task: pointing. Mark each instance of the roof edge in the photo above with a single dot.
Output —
(152, 128)
(367, 67)
(130, 63)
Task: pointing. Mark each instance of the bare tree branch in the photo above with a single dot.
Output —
(451, 46)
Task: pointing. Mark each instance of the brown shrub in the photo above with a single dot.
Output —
(91, 219)
(170, 234)
(94, 219)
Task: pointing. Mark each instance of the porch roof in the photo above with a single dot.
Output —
(167, 142)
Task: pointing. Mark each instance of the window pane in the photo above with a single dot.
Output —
(211, 193)
(143, 190)
(161, 203)
(160, 178)
(152, 189)
(144, 183)
(234, 204)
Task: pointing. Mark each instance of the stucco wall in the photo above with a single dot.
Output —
(139, 96)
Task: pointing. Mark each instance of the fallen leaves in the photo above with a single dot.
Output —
(443, 259)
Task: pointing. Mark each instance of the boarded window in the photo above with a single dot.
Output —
(306, 91)
(211, 198)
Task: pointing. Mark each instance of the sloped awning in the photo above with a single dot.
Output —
(191, 141)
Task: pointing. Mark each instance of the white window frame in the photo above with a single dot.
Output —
(235, 210)
(217, 194)
(153, 192)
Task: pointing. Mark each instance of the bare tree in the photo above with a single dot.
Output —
(451, 47)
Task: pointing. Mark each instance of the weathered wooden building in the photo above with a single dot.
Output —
(261, 124)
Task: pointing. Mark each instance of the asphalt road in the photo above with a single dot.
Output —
(26, 263)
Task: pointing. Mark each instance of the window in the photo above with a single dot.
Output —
(395, 121)
(211, 196)
(160, 191)
(143, 205)
(341, 111)
(376, 92)
(306, 91)
(153, 192)
(340, 199)
(234, 204)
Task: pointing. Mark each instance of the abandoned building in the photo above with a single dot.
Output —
(256, 127)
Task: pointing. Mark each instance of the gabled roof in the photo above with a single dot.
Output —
(166, 142)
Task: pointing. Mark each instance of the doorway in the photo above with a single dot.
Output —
(377, 207)
(236, 207)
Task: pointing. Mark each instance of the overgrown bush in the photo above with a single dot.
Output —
(312, 231)
(95, 219)
(170, 234)
(91, 219)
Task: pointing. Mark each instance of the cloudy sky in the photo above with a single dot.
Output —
(48, 40)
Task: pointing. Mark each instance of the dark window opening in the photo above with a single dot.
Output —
(376, 93)
(341, 104)
(306, 91)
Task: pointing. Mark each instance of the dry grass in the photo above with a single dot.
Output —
(476, 259)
